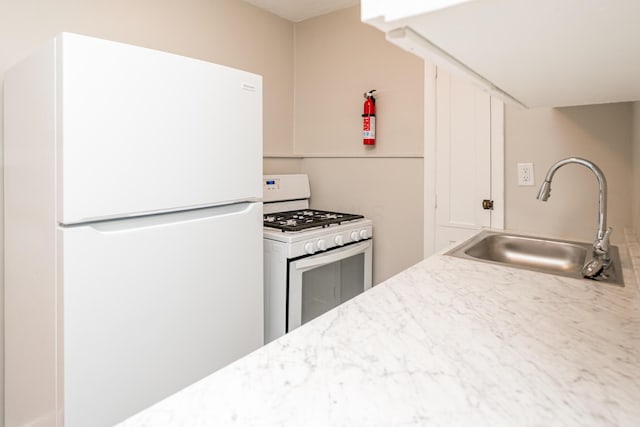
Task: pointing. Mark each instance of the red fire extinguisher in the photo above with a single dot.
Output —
(369, 119)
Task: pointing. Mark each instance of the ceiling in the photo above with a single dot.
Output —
(299, 10)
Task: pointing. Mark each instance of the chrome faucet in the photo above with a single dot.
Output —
(595, 266)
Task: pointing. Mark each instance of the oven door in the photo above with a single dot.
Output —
(323, 281)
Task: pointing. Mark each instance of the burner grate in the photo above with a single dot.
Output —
(306, 218)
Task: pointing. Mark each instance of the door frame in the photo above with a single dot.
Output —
(430, 152)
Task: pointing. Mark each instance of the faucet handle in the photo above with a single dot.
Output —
(602, 245)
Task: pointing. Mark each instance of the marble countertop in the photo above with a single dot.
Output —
(446, 342)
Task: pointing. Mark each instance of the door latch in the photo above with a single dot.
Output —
(487, 204)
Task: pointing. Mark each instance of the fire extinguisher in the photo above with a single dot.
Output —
(369, 119)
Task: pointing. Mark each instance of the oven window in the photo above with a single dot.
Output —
(326, 287)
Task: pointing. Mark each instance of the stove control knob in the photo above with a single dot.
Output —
(322, 245)
(364, 234)
(339, 240)
(308, 248)
(355, 236)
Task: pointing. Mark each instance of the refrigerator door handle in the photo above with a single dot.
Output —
(166, 219)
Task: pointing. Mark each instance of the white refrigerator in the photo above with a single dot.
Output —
(133, 228)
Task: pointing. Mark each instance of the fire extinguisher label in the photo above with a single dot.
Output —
(369, 127)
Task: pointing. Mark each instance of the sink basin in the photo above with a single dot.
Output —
(552, 256)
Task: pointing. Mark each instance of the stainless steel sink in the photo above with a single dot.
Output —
(552, 256)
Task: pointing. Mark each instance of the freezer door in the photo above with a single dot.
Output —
(152, 305)
(143, 131)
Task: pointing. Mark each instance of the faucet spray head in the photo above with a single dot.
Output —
(545, 191)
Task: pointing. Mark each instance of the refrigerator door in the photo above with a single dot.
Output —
(142, 131)
(153, 304)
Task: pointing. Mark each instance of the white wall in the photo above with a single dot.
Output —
(228, 32)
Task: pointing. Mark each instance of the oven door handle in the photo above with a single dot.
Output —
(333, 256)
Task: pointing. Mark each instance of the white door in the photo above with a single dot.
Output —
(469, 161)
(144, 131)
(154, 304)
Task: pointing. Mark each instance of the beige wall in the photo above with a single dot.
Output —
(600, 133)
(388, 191)
(337, 59)
(228, 32)
(324, 65)
(635, 197)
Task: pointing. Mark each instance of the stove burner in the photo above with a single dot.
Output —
(306, 218)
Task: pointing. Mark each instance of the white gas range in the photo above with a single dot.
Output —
(313, 260)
